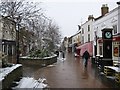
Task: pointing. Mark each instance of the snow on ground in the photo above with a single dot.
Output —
(24, 57)
(5, 71)
(60, 57)
(29, 82)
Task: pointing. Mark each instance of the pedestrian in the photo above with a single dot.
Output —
(57, 53)
(63, 53)
(86, 56)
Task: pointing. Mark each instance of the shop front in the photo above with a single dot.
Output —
(116, 48)
(86, 46)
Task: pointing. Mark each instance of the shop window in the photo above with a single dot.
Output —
(116, 50)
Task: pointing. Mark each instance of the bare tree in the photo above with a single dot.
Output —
(20, 12)
(21, 9)
(30, 17)
(53, 34)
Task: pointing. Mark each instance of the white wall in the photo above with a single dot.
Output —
(85, 27)
(106, 21)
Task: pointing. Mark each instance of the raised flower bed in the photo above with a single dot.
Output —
(39, 58)
(36, 61)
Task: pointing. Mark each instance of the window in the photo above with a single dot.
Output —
(100, 52)
(88, 28)
(88, 37)
(82, 39)
(82, 31)
(115, 29)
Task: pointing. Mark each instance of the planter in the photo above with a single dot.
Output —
(38, 61)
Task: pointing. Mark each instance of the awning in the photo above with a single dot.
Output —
(87, 46)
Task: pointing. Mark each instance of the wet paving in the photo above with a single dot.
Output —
(69, 73)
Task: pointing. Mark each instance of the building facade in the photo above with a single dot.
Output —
(76, 41)
(87, 36)
(109, 20)
(7, 36)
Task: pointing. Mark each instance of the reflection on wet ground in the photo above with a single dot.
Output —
(69, 73)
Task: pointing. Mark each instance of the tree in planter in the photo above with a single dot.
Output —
(52, 36)
(40, 53)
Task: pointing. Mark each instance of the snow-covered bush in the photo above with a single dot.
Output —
(40, 53)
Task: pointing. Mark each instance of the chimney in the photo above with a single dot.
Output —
(90, 17)
(104, 9)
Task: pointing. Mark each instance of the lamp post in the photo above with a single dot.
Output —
(18, 44)
(17, 38)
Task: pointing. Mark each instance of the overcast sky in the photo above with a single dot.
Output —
(69, 13)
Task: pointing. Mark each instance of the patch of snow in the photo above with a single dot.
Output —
(61, 59)
(5, 71)
(29, 82)
(25, 57)
(51, 65)
(50, 57)
(111, 77)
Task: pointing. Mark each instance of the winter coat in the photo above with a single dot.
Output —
(86, 55)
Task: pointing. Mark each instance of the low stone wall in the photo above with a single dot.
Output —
(38, 62)
(9, 78)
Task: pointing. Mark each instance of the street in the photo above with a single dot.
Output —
(69, 73)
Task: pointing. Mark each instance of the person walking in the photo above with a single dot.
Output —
(63, 54)
(86, 56)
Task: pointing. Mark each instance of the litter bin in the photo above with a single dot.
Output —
(93, 60)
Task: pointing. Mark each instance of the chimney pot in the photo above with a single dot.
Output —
(90, 17)
(104, 9)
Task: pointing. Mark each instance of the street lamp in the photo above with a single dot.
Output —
(17, 38)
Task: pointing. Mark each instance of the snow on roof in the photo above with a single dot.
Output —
(5, 71)
(29, 82)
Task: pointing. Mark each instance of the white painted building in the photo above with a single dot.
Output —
(87, 36)
(87, 31)
(109, 20)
